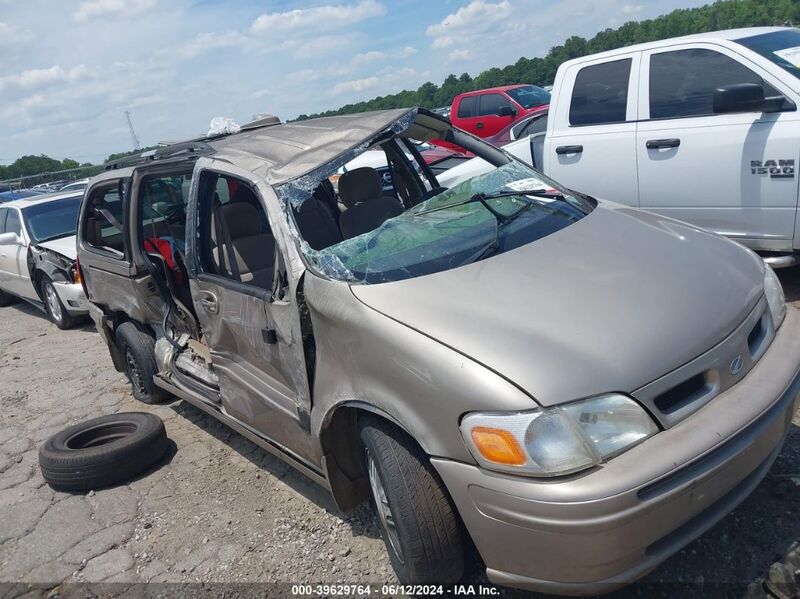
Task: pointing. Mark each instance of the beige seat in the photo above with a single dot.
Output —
(361, 191)
(254, 251)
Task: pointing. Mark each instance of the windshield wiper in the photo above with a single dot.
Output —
(503, 220)
(482, 197)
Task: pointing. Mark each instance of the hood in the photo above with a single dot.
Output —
(609, 303)
(65, 246)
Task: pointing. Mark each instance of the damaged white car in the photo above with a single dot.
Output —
(37, 256)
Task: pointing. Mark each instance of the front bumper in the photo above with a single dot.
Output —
(598, 530)
(72, 297)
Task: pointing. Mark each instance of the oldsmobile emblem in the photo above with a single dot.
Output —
(736, 365)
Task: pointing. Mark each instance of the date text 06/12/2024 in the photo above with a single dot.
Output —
(459, 590)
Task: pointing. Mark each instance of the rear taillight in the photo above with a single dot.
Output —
(77, 276)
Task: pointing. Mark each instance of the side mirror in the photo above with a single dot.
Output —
(9, 239)
(506, 111)
(745, 97)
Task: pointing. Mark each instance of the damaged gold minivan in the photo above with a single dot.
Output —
(577, 387)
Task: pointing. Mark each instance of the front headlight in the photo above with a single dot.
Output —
(557, 440)
(775, 298)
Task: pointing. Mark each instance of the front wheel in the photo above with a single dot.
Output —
(420, 526)
(55, 309)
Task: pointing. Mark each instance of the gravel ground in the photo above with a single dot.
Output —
(217, 509)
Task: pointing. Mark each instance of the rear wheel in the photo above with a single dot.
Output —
(138, 349)
(52, 303)
(420, 526)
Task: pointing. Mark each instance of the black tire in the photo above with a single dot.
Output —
(138, 349)
(6, 299)
(56, 311)
(103, 451)
(428, 529)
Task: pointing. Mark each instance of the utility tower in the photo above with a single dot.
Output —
(135, 139)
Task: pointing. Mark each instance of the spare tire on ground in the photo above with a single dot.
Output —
(103, 451)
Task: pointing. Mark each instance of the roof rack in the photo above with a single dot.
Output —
(185, 149)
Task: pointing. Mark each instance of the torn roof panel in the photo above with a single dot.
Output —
(284, 152)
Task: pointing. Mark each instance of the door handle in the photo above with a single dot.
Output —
(479, 125)
(209, 302)
(561, 150)
(655, 144)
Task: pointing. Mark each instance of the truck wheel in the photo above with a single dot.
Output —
(138, 350)
(103, 451)
(420, 527)
(55, 309)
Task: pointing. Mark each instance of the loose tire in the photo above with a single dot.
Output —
(138, 349)
(420, 526)
(55, 308)
(103, 451)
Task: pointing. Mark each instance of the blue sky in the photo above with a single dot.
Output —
(70, 69)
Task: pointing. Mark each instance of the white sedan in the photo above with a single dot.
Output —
(37, 256)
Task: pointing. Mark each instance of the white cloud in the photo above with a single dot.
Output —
(457, 55)
(205, 42)
(34, 78)
(11, 35)
(355, 86)
(388, 79)
(92, 9)
(365, 58)
(406, 52)
(318, 18)
(467, 22)
(631, 9)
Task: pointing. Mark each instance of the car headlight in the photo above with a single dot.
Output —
(775, 298)
(557, 440)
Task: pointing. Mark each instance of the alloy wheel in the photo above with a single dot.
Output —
(53, 303)
(383, 508)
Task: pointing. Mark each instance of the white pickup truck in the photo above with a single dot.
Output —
(703, 128)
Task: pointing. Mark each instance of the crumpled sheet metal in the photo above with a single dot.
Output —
(286, 152)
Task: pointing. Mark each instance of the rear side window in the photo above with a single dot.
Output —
(103, 228)
(682, 82)
(492, 103)
(600, 95)
(13, 224)
(467, 107)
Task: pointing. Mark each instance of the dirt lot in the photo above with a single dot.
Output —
(217, 509)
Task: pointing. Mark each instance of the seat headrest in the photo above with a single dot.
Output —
(358, 185)
(241, 218)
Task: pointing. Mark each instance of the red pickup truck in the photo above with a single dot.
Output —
(487, 111)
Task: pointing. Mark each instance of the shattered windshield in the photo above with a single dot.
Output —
(455, 228)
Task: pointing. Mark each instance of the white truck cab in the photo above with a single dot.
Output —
(703, 128)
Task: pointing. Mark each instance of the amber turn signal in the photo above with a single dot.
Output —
(499, 446)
